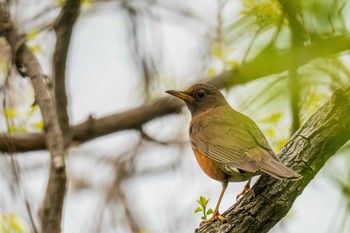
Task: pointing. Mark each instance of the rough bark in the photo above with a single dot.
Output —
(269, 62)
(307, 151)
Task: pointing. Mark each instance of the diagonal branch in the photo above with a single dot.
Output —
(270, 61)
(308, 150)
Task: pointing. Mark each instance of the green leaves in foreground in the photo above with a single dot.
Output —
(203, 202)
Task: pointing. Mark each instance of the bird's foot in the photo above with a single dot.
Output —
(244, 191)
(215, 215)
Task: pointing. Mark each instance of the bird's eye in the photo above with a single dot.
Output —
(201, 94)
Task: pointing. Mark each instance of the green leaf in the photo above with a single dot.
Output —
(210, 211)
(206, 201)
(200, 201)
(204, 218)
(198, 209)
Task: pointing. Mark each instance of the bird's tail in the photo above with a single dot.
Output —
(278, 170)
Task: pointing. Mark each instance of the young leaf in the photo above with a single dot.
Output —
(198, 209)
(210, 211)
(199, 202)
(202, 201)
(206, 201)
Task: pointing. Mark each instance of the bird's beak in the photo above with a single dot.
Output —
(180, 95)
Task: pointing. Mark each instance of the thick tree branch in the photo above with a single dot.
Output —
(63, 27)
(270, 61)
(308, 150)
(51, 210)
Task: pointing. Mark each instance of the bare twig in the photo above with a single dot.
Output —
(116, 194)
(145, 136)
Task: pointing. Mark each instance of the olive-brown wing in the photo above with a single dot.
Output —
(238, 143)
(225, 142)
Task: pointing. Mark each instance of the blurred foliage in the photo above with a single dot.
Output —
(263, 26)
(340, 176)
(11, 223)
(325, 17)
(19, 121)
(266, 13)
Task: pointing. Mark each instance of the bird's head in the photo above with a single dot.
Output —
(200, 97)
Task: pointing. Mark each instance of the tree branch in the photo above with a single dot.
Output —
(270, 61)
(51, 210)
(63, 27)
(308, 150)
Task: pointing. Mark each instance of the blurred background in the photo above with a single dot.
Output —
(127, 53)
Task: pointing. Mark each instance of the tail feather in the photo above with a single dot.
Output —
(278, 170)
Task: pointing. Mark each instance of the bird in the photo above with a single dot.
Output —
(228, 145)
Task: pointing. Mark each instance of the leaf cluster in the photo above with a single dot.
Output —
(203, 202)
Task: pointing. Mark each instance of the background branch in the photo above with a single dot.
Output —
(63, 28)
(51, 210)
(270, 61)
(292, 11)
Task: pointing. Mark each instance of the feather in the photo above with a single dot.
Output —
(233, 139)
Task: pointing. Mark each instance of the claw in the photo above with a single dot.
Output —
(215, 215)
(245, 190)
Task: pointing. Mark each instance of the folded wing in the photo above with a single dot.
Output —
(238, 142)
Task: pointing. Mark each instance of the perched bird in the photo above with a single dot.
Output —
(228, 145)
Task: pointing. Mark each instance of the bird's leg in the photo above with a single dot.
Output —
(216, 213)
(245, 189)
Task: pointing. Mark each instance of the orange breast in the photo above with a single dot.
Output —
(210, 167)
